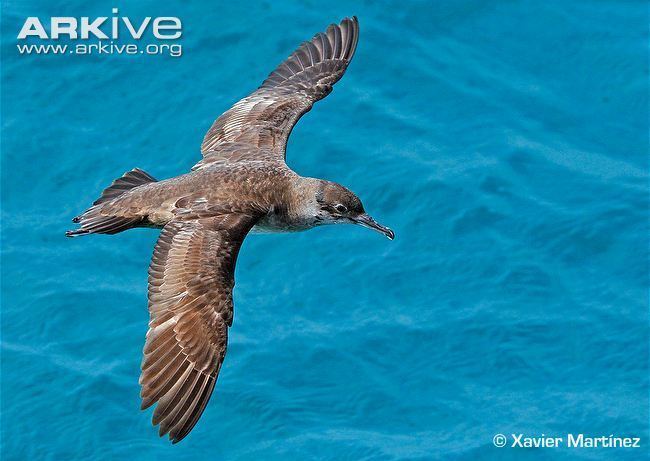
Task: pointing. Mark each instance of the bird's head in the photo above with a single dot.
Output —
(338, 205)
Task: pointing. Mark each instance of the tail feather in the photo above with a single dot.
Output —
(93, 221)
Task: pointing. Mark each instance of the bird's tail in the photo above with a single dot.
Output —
(95, 221)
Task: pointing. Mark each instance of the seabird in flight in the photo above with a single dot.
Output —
(241, 184)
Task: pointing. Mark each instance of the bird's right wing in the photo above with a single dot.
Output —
(258, 126)
(191, 279)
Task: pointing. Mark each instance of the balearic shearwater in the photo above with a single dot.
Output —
(242, 184)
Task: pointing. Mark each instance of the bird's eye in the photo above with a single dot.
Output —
(341, 208)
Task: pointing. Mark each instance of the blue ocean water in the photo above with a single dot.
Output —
(506, 143)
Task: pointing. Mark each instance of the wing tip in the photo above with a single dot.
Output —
(345, 44)
(182, 423)
(353, 23)
(354, 19)
(355, 38)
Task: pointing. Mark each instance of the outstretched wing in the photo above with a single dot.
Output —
(191, 279)
(265, 119)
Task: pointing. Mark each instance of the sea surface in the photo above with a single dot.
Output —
(506, 143)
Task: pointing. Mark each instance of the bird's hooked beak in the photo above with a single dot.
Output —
(366, 221)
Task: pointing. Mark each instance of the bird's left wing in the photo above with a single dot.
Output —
(258, 126)
(191, 278)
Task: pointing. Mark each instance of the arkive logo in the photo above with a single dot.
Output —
(100, 35)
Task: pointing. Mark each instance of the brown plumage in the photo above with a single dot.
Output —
(241, 184)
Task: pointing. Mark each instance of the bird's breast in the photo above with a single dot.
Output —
(278, 221)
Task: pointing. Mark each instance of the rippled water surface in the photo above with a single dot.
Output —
(506, 144)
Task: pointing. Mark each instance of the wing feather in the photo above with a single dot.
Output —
(191, 278)
(265, 118)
